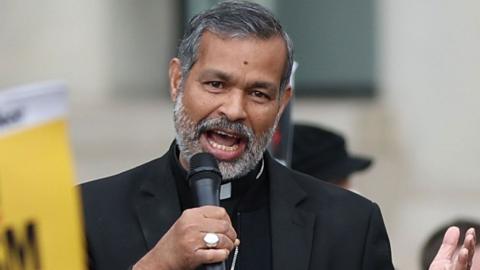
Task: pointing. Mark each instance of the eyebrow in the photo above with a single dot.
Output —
(217, 74)
(263, 85)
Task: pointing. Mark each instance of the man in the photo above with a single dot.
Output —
(322, 153)
(230, 85)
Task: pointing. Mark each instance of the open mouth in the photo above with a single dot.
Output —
(223, 144)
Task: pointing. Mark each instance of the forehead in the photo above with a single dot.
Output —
(267, 56)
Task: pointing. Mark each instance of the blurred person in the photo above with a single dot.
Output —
(434, 242)
(322, 153)
(230, 84)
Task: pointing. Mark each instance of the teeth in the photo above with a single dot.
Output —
(223, 147)
(226, 134)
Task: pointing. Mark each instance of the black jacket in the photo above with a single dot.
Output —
(314, 225)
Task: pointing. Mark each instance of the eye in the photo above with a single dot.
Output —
(215, 84)
(260, 95)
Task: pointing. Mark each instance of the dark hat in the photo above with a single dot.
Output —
(322, 153)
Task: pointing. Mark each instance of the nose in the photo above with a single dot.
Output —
(233, 106)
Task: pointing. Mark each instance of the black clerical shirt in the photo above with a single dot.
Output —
(248, 208)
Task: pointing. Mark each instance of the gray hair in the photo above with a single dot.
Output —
(233, 19)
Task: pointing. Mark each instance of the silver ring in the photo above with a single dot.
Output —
(211, 240)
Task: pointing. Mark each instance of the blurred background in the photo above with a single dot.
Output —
(400, 79)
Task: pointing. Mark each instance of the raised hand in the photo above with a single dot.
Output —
(449, 256)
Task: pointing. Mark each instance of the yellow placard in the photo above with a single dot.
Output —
(40, 221)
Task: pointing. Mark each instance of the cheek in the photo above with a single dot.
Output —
(263, 119)
(197, 105)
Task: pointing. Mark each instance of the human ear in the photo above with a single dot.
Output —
(175, 77)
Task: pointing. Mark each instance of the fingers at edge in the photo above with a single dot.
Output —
(208, 256)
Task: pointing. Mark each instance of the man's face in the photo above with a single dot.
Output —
(230, 102)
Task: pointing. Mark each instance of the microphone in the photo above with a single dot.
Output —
(204, 179)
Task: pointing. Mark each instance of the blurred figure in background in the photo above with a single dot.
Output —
(434, 242)
(322, 153)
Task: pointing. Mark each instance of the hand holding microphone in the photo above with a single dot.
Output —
(203, 235)
(204, 179)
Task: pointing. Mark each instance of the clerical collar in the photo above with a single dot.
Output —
(240, 185)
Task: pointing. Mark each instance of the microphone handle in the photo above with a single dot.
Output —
(206, 191)
(205, 187)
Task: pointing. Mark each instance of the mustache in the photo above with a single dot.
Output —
(224, 124)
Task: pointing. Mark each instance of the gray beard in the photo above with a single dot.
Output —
(188, 135)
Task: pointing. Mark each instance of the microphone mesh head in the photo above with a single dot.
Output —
(203, 160)
(204, 179)
(202, 163)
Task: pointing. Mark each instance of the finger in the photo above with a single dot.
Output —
(469, 244)
(209, 219)
(471, 232)
(223, 242)
(208, 211)
(462, 262)
(215, 212)
(219, 227)
(449, 244)
(208, 256)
